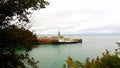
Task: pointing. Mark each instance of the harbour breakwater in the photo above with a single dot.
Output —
(57, 40)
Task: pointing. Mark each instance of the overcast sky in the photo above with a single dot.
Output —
(78, 16)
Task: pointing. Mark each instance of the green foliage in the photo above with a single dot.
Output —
(9, 59)
(111, 61)
(18, 9)
(13, 36)
(106, 61)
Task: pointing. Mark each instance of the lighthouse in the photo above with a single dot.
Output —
(59, 34)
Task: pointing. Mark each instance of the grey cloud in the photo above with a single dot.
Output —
(102, 29)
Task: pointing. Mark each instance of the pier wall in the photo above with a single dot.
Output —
(50, 40)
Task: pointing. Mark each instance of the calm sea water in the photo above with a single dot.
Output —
(54, 56)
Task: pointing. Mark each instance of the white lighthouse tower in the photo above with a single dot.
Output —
(59, 34)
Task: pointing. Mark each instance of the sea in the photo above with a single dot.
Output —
(93, 45)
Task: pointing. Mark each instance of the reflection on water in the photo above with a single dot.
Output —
(54, 55)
